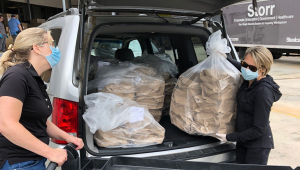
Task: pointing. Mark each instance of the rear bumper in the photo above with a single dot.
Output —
(228, 157)
(224, 153)
(220, 153)
(95, 164)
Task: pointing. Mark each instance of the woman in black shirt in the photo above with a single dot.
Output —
(255, 98)
(25, 105)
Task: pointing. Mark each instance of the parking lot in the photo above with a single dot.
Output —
(285, 115)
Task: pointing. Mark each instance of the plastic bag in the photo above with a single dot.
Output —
(170, 85)
(203, 101)
(121, 122)
(137, 82)
(160, 62)
(96, 63)
(167, 69)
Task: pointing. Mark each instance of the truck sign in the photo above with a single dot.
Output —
(275, 24)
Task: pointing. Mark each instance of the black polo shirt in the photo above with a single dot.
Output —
(23, 83)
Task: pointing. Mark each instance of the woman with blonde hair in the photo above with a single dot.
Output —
(25, 105)
(255, 98)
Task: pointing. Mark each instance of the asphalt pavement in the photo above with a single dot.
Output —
(285, 115)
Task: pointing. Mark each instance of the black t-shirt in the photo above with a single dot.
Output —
(23, 83)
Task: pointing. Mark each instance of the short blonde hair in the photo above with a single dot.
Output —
(20, 52)
(262, 57)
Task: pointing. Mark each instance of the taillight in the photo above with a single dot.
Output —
(65, 116)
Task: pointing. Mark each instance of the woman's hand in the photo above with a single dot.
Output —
(56, 133)
(58, 156)
(221, 137)
(77, 141)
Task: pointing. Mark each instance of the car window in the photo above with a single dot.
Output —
(155, 50)
(135, 46)
(105, 48)
(199, 49)
(162, 45)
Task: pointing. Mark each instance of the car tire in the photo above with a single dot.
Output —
(276, 55)
(242, 51)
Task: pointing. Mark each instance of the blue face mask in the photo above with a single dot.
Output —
(248, 74)
(53, 58)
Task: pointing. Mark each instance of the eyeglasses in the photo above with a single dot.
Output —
(252, 68)
(53, 43)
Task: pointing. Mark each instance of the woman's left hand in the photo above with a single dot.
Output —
(221, 137)
(76, 141)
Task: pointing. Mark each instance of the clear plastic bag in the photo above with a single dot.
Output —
(160, 62)
(121, 122)
(170, 85)
(203, 101)
(137, 82)
(167, 69)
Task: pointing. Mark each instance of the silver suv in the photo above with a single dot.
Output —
(177, 29)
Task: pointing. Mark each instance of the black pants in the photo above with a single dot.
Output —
(14, 37)
(2, 43)
(257, 156)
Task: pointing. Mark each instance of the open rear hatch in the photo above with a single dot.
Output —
(196, 8)
(175, 7)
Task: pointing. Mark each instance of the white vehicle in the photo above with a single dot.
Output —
(166, 27)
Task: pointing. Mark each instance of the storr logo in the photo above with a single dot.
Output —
(288, 39)
(262, 11)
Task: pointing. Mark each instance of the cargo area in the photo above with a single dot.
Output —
(174, 139)
(184, 50)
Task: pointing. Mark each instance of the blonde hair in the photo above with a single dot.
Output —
(20, 52)
(262, 57)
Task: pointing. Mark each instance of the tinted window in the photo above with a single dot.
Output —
(105, 48)
(199, 49)
(162, 45)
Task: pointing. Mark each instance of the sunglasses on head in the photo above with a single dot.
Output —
(252, 68)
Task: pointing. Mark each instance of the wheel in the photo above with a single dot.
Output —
(276, 55)
(242, 51)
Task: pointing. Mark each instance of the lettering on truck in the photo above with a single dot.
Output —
(268, 10)
(288, 39)
(234, 39)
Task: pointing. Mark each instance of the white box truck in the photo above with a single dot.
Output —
(274, 24)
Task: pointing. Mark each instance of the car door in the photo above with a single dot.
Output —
(64, 32)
